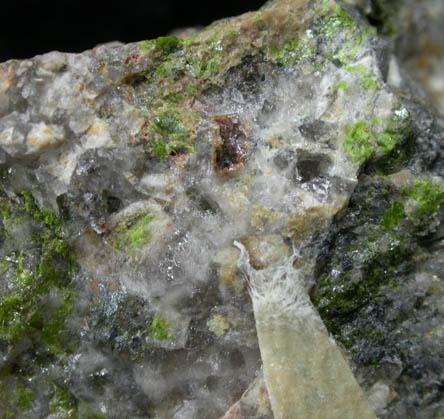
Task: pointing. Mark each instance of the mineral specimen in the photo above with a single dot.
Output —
(128, 172)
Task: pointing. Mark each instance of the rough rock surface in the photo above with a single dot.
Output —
(127, 173)
(414, 32)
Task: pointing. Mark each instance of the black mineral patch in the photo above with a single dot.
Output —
(310, 166)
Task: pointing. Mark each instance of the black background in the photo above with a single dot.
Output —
(28, 28)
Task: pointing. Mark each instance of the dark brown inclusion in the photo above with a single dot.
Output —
(231, 152)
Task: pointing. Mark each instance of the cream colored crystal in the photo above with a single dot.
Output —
(305, 373)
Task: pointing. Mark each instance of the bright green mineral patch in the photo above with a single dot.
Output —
(205, 68)
(335, 19)
(192, 61)
(171, 133)
(294, 50)
(359, 142)
(342, 39)
(37, 301)
(416, 205)
(167, 44)
(423, 200)
(35, 295)
(164, 45)
(389, 143)
(160, 329)
(139, 232)
(134, 231)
